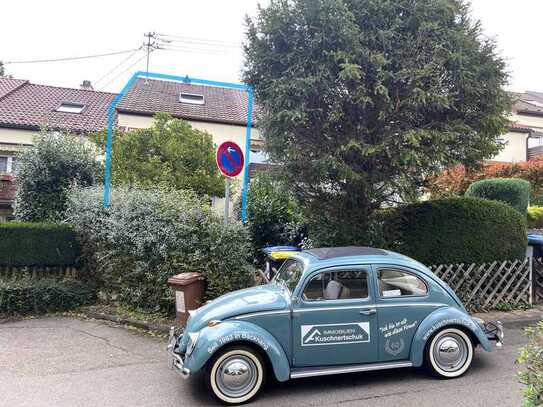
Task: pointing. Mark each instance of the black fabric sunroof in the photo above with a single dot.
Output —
(326, 253)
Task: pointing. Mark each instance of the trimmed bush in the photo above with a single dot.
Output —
(37, 244)
(456, 230)
(532, 357)
(535, 217)
(147, 236)
(512, 191)
(27, 296)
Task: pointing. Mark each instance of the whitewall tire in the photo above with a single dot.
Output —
(449, 353)
(235, 374)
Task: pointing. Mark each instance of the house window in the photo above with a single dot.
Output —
(71, 107)
(191, 99)
(8, 164)
(13, 165)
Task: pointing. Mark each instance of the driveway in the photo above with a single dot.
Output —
(71, 362)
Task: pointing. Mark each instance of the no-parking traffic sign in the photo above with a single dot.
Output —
(230, 159)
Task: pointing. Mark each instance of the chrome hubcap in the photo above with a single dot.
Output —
(236, 376)
(450, 352)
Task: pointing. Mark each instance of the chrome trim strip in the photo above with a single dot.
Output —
(428, 304)
(309, 372)
(252, 314)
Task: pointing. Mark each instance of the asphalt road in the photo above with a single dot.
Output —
(71, 362)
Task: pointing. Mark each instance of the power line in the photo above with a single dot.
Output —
(193, 50)
(125, 70)
(116, 66)
(194, 40)
(36, 61)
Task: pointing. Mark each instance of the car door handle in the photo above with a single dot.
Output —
(370, 311)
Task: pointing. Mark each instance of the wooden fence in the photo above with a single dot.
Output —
(538, 279)
(489, 286)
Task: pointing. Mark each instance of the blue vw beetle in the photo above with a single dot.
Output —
(330, 311)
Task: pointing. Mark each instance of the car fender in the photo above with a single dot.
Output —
(439, 319)
(211, 339)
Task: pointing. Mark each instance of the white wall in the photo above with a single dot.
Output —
(515, 148)
(17, 136)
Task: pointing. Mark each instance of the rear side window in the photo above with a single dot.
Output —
(337, 285)
(398, 283)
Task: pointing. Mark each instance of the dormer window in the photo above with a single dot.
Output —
(71, 107)
(191, 98)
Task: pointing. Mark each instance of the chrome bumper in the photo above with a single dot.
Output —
(494, 332)
(176, 361)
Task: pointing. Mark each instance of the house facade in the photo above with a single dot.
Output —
(221, 112)
(524, 140)
(26, 108)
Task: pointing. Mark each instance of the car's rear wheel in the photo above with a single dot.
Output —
(235, 374)
(449, 353)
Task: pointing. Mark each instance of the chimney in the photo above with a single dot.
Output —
(86, 85)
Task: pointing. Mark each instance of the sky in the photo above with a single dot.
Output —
(205, 39)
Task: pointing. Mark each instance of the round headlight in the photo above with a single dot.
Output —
(193, 338)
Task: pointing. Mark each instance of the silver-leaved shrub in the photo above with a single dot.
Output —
(148, 235)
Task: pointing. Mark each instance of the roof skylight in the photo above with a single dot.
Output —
(191, 98)
(71, 107)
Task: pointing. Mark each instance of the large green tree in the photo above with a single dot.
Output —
(171, 153)
(360, 100)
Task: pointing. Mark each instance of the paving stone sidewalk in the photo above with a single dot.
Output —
(516, 318)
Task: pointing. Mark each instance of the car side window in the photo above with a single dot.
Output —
(398, 283)
(337, 285)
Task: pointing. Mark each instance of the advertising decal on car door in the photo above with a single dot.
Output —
(335, 334)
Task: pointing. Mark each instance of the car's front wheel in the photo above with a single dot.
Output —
(235, 374)
(449, 353)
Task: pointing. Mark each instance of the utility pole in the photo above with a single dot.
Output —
(150, 45)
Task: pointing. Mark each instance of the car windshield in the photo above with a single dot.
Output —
(289, 274)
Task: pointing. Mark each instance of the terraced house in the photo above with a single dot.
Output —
(26, 108)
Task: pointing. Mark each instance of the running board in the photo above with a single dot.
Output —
(323, 371)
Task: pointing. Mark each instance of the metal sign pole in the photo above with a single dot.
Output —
(226, 201)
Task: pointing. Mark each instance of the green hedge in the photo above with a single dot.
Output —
(27, 296)
(457, 230)
(535, 217)
(512, 191)
(37, 244)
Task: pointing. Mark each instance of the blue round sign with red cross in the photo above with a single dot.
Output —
(230, 158)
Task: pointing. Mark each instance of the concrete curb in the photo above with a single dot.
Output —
(148, 326)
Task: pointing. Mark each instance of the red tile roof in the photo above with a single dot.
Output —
(29, 106)
(521, 128)
(221, 105)
(8, 85)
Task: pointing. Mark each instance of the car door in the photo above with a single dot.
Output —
(334, 320)
(403, 302)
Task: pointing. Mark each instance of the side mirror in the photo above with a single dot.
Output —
(295, 300)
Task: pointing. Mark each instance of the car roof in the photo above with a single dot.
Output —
(325, 253)
(330, 256)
